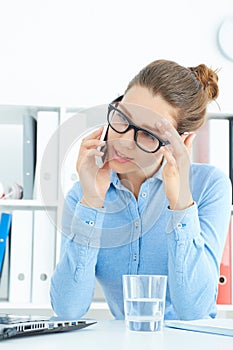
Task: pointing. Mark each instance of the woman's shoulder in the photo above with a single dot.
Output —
(210, 173)
(204, 168)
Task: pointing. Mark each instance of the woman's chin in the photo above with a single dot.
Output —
(119, 167)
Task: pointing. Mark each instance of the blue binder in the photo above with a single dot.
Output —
(5, 225)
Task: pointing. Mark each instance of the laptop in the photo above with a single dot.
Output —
(12, 326)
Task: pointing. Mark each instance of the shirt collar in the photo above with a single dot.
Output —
(114, 179)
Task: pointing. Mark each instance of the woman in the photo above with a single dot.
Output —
(147, 210)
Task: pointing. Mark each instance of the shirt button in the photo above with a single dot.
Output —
(135, 257)
(91, 223)
(179, 225)
(144, 194)
(152, 179)
(136, 224)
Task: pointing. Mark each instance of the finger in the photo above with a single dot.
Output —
(171, 134)
(93, 143)
(168, 132)
(87, 157)
(165, 126)
(168, 156)
(94, 152)
(90, 153)
(95, 134)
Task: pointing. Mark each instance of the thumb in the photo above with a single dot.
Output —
(188, 140)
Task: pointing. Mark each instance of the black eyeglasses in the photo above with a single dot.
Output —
(143, 138)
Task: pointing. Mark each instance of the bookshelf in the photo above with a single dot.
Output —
(66, 126)
(25, 204)
(42, 211)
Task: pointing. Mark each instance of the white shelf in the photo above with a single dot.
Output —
(13, 306)
(10, 306)
(25, 204)
(223, 307)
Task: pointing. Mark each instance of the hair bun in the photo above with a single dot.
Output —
(208, 78)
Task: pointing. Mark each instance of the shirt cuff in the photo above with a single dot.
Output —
(184, 224)
(85, 222)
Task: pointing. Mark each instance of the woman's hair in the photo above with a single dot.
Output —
(189, 90)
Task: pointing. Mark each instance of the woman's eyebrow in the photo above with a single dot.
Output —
(128, 114)
(125, 110)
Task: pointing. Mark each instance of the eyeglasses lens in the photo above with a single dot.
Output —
(144, 140)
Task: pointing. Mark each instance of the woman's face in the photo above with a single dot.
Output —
(144, 110)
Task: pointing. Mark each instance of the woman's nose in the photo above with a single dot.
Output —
(127, 139)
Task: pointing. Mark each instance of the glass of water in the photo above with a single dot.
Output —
(144, 301)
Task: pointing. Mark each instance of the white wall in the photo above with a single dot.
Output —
(82, 53)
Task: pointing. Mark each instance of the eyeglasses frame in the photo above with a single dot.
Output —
(136, 129)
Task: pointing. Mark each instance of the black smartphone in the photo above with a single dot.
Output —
(100, 160)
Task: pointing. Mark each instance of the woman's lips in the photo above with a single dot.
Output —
(119, 157)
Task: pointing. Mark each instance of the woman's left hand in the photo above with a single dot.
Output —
(176, 172)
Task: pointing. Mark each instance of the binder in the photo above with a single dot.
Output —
(225, 278)
(4, 279)
(11, 160)
(5, 225)
(212, 144)
(44, 244)
(46, 156)
(21, 256)
(29, 155)
(231, 152)
(4, 253)
(73, 125)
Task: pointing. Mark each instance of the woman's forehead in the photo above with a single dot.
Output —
(142, 116)
(139, 101)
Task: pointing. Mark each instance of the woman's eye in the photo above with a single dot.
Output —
(119, 118)
(123, 118)
(148, 136)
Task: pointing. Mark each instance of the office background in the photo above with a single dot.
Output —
(83, 53)
(70, 53)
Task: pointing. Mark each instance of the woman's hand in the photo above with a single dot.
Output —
(176, 171)
(94, 181)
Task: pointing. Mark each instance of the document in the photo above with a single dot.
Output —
(216, 326)
(21, 256)
(43, 262)
(46, 174)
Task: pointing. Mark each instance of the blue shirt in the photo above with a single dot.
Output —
(143, 236)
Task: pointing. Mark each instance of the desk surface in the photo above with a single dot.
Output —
(114, 335)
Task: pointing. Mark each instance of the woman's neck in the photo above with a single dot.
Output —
(133, 180)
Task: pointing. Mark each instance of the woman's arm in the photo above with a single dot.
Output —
(73, 281)
(72, 284)
(196, 238)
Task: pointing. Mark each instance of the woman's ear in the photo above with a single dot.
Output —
(186, 135)
(188, 140)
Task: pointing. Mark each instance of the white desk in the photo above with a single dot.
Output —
(113, 335)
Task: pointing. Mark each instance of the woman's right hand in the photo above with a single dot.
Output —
(94, 181)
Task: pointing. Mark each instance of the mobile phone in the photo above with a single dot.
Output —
(100, 160)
